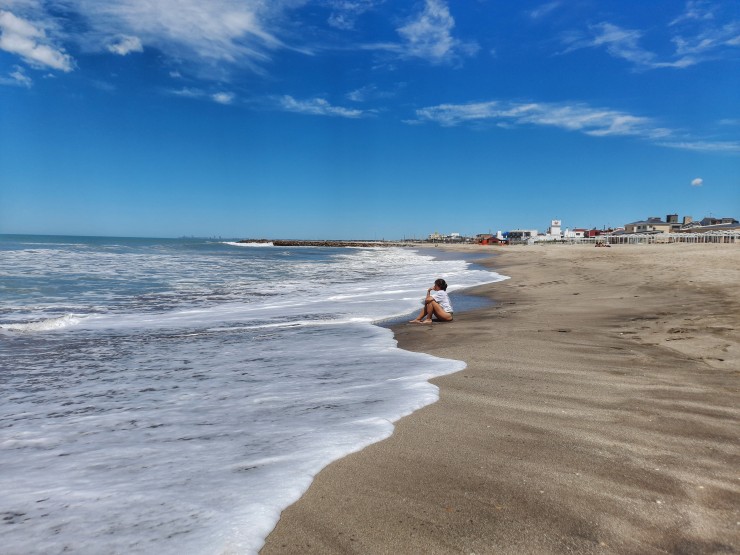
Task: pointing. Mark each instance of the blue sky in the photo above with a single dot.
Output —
(364, 118)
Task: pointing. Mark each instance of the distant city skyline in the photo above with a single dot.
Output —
(368, 119)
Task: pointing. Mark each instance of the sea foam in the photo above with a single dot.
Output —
(186, 405)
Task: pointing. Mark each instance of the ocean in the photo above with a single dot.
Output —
(174, 396)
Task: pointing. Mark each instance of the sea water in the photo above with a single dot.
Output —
(173, 396)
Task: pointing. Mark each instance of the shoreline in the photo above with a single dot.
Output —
(598, 413)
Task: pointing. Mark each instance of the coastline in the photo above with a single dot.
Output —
(598, 414)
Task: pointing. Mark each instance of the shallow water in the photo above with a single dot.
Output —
(174, 396)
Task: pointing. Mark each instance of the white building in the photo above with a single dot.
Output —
(555, 229)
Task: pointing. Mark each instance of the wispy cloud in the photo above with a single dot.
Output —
(187, 92)
(211, 36)
(345, 13)
(729, 147)
(17, 78)
(126, 45)
(544, 10)
(698, 182)
(696, 10)
(372, 92)
(624, 44)
(221, 97)
(316, 107)
(428, 35)
(699, 34)
(572, 117)
(708, 43)
(579, 117)
(29, 40)
(217, 31)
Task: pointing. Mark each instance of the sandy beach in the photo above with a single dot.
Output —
(599, 413)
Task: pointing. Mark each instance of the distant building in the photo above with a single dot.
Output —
(652, 225)
(437, 237)
(554, 229)
(576, 233)
(522, 234)
(710, 224)
(488, 239)
(672, 225)
(718, 221)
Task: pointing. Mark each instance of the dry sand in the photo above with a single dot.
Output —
(598, 414)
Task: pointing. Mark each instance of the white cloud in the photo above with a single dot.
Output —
(544, 10)
(126, 45)
(188, 92)
(229, 31)
(223, 97)
(29, 40)
(728, 147)
(708, 43)
(429, 35)
(17, 78)
(699, 34)
(362, 94)
(696, 10)
(317, 107)
(698, 182)
(595, 122)
(372, 92)
(574, 117)
(345, 13)
(208, 38)
(624, 44)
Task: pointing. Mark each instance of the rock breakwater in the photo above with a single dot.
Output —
(332, 243)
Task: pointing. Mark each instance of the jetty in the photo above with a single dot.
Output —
(328, 243)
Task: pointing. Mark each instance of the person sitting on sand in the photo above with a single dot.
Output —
(436, 304)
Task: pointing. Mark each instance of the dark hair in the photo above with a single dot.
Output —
(442, 284)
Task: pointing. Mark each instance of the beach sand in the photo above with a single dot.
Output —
(599, 413)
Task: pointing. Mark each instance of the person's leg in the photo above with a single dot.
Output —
(434, 309)
(441, 313)
(430, 312)
(421, 315)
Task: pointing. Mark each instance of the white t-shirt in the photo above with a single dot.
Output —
(443, 300)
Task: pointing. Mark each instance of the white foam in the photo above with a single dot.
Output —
(243, 244)
(189, 428)
(49, 324)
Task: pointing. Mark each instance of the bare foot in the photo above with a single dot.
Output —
(415, 321)
(426, 322)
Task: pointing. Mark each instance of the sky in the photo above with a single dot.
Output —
(364, 119)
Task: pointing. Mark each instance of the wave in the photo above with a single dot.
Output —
(44, 325)
(235, 244)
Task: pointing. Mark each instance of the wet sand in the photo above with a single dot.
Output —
(599, 413)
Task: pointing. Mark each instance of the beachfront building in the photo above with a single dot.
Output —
(522, 235)
(673, 225)
(651, 225)
(437, 237)
(554, 230)
(577, 233)
(706, 225)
